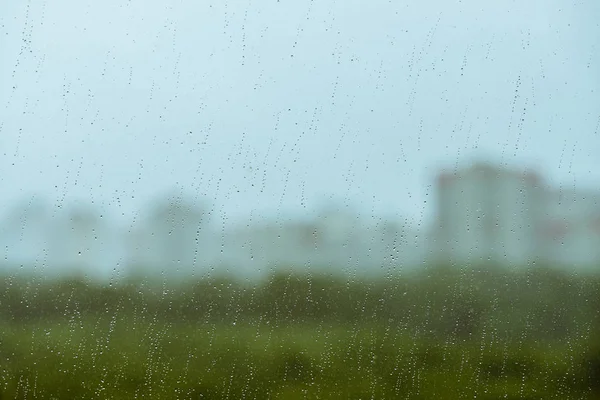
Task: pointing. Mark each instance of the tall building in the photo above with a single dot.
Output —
(171, 239)
(488, 213)
(81, 241)
(24, 234)
(571, 229)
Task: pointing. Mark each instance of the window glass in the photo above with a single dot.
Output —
(299, 199)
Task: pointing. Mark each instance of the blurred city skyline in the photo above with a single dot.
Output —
(123, 211)
(483, 212)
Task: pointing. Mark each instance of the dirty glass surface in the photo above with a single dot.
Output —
(308, 199)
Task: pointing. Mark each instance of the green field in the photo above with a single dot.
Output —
(438, 336)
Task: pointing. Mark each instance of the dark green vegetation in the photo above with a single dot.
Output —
(446, 333)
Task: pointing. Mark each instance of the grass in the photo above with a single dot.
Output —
(113, 357)
(446, 334)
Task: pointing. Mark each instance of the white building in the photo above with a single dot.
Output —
(334, 241)
(571, 229)
(24, 235)
(486, 213)
(172, 240)
(39, 239)
(82, 241)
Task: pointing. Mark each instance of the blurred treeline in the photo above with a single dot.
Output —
(443, 301)
(444, 332)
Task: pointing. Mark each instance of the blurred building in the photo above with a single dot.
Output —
(24, 235)
(81, 241)
(488, 213)
(333, 241)
(257, 248)
(571, 229)
(171, 239)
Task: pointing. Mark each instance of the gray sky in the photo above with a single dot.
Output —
(270, 106)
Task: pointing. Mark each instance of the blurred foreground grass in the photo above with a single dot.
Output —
(438, 336)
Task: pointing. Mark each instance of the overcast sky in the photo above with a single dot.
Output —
(272, 106)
